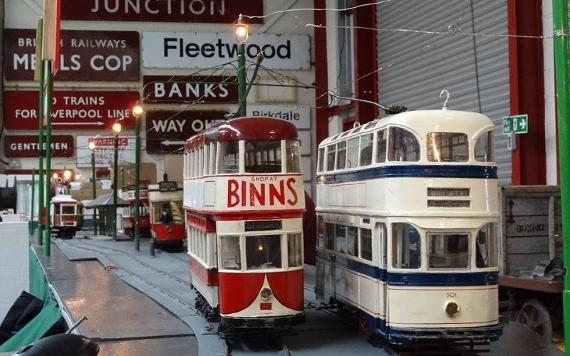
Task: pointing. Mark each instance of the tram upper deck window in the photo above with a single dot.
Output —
(366, 149)
(484, 148)
(341, 155)
(293, 156)
(486, 247)
(230, 253)
(321, 160)
(340, 240)
(447, 147)
(263, 156)
(352, 153)
(68, 209)
(403, 146)
(448, 251)
(406, 246)
(352, 241)
(381, 146)
(295, 249)
(331, 153)
(229, 157)
(263, 251)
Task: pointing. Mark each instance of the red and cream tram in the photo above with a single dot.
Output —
(166, 217)
(244, 203)
(128, 218)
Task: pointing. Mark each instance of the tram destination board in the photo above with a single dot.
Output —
(168, 186)
(263, 225)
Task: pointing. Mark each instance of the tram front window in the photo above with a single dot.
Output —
(448, 251)
(263, 252)
(484, 148)
(229, 157)
(406, 246)
(447, 147)
(295, 249)
(230, 253)
(68, 209)
(263, 157)
(293, 157)
(486, 251)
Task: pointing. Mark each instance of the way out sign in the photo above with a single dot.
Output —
(517, 124)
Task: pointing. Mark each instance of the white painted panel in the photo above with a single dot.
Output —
(14, 263)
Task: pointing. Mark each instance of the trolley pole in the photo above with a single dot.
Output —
(560, 19)
(47, 115)
(41, 193)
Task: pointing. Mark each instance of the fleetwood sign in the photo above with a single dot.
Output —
(28, 146)
(167, 131)
(205, 50)
(195, 89)
(71, 109)
(208, 11)
(84, 55)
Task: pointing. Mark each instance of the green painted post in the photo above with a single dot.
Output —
(94, 179)
(31, 222)
(241, 80)
(115, 185)
(560, 19)
(41, 174)
(47, 115)
(137, 180)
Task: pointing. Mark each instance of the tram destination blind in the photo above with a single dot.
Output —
(263, 225)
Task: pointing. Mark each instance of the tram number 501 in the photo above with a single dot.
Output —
(451, 294)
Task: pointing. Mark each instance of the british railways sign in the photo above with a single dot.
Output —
(207, 11)
(205, 50)
(84, 55)
(71, 109)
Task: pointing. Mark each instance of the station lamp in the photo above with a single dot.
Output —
(241, 31)
(138, 112)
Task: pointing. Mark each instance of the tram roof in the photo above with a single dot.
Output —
(424, 121)
(252, 128)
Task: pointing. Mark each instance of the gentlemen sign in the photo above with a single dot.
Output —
(28, 146)
(105, 150)
(190, 90)
(167, 131)
(204, 50)
(207, 11)
(84, 55)
(71, 109)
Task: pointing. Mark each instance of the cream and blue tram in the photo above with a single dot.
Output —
(407, 209)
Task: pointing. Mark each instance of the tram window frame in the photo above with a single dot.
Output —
(460, 259)
(486, 141)
(340, 238)
(398, 258)
(331, 157)
(381, 146)
(213, 157)
(206, 160)
(293, 156)
(403, 145)
(226, 256)
(340, 161)
(443, 147)
(228, 160)
(321, 159)
(352, 152)
(366, 249)
(330, 236)
(321, 233)
(263, 156)
(492, 254)
(200, 162)
(294, 250)
(352, 241)
(252, 244)
(366, 152)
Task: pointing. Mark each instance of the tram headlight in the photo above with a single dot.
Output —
(266, 294)
(452, 309)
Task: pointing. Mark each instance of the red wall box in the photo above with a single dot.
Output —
(205, 11)
(84, 55)
(190, 89)
(27, 146)
(71, 109)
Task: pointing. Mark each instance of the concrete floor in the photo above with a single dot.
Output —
(126, 308)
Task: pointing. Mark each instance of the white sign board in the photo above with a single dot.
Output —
(299, 115)
(205, 50)
(105, 150)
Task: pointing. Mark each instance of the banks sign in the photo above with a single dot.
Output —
(205, 11)
(71, 109)
(205, 50)
(190, 90)
(28, 146)
(84, 55)
(167, 131)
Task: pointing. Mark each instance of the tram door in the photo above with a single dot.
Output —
(382, 243)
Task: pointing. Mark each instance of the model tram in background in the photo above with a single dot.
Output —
(166, 215)
(406, 212)
(128, 217)
(244, 203)
(66, 216)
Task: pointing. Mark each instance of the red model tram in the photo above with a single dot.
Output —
(244, 203)
(166, 217)
(128, 218)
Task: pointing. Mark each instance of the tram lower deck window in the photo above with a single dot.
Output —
(448, 251)
(406, 246)
(486, 251)
(230, 253)
(263, 251)
(68, 209)
(295, 249)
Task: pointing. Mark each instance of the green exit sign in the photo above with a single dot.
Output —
(517, 124)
